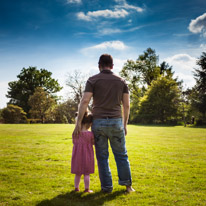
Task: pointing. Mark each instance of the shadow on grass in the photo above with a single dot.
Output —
(194, 126)
(80, 198)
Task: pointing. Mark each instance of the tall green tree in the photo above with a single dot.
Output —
(161, 102)
(41, 104)
(144, 70)
(28, 80)
(198, 92)
(141, 73)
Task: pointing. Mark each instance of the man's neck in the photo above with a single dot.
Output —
(105, 68)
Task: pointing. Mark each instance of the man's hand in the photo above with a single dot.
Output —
(126, 110)
(125, 130)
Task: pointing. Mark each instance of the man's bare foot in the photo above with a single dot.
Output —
(130, 189)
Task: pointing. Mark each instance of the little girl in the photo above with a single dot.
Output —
(83, 154)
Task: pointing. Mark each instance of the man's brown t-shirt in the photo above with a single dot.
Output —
(107, 89)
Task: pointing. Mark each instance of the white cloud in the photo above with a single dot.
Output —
(90, 15)
(183, 65)
(118, 64)
(74, 1)
(188, 80)
(125, 5)
(116, 45)
(182, 58)
(108, 31)
(83, 16)
(203, 46)
(120, 11)
(182, 62)
(198, 25)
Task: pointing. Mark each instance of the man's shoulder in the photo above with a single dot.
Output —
(93, 79)
(94, 76)
(117, 77)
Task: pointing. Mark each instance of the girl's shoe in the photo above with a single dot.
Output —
(76, 190)
(88, 190)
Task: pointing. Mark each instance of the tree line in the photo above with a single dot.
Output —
(156, 95)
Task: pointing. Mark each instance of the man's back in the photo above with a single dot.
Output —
(107, 89)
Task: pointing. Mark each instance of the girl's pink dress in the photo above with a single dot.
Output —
(83, 154)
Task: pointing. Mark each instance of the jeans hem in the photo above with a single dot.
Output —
(107, 189)
(125, 183)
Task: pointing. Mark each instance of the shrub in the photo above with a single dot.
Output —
(14, 114)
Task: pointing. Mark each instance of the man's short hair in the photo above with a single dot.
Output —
(105, 60)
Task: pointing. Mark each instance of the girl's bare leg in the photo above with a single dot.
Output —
(76, 182)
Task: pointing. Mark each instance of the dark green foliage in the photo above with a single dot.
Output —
(142, 71)
(196, 96)
(190, 100)
(65, 112)
(200, 88)
(134, 106)
(140, 75)
(13, 114)
(41, 104)
(161, 101)
(28, 80)
(147, 66)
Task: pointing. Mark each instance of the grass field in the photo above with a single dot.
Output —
(168, 167)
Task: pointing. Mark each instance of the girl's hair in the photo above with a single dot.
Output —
(87, 119)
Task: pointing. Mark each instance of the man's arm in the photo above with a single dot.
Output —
(126, 110)
(81, 111)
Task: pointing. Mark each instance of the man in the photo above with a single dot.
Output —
(109, 92)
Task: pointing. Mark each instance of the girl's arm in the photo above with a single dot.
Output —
(74, 140)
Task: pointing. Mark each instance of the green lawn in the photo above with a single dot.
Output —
(168, 167)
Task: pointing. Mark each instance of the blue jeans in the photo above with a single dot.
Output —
(112, 130)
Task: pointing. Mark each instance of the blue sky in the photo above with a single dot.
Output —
(67, 35)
